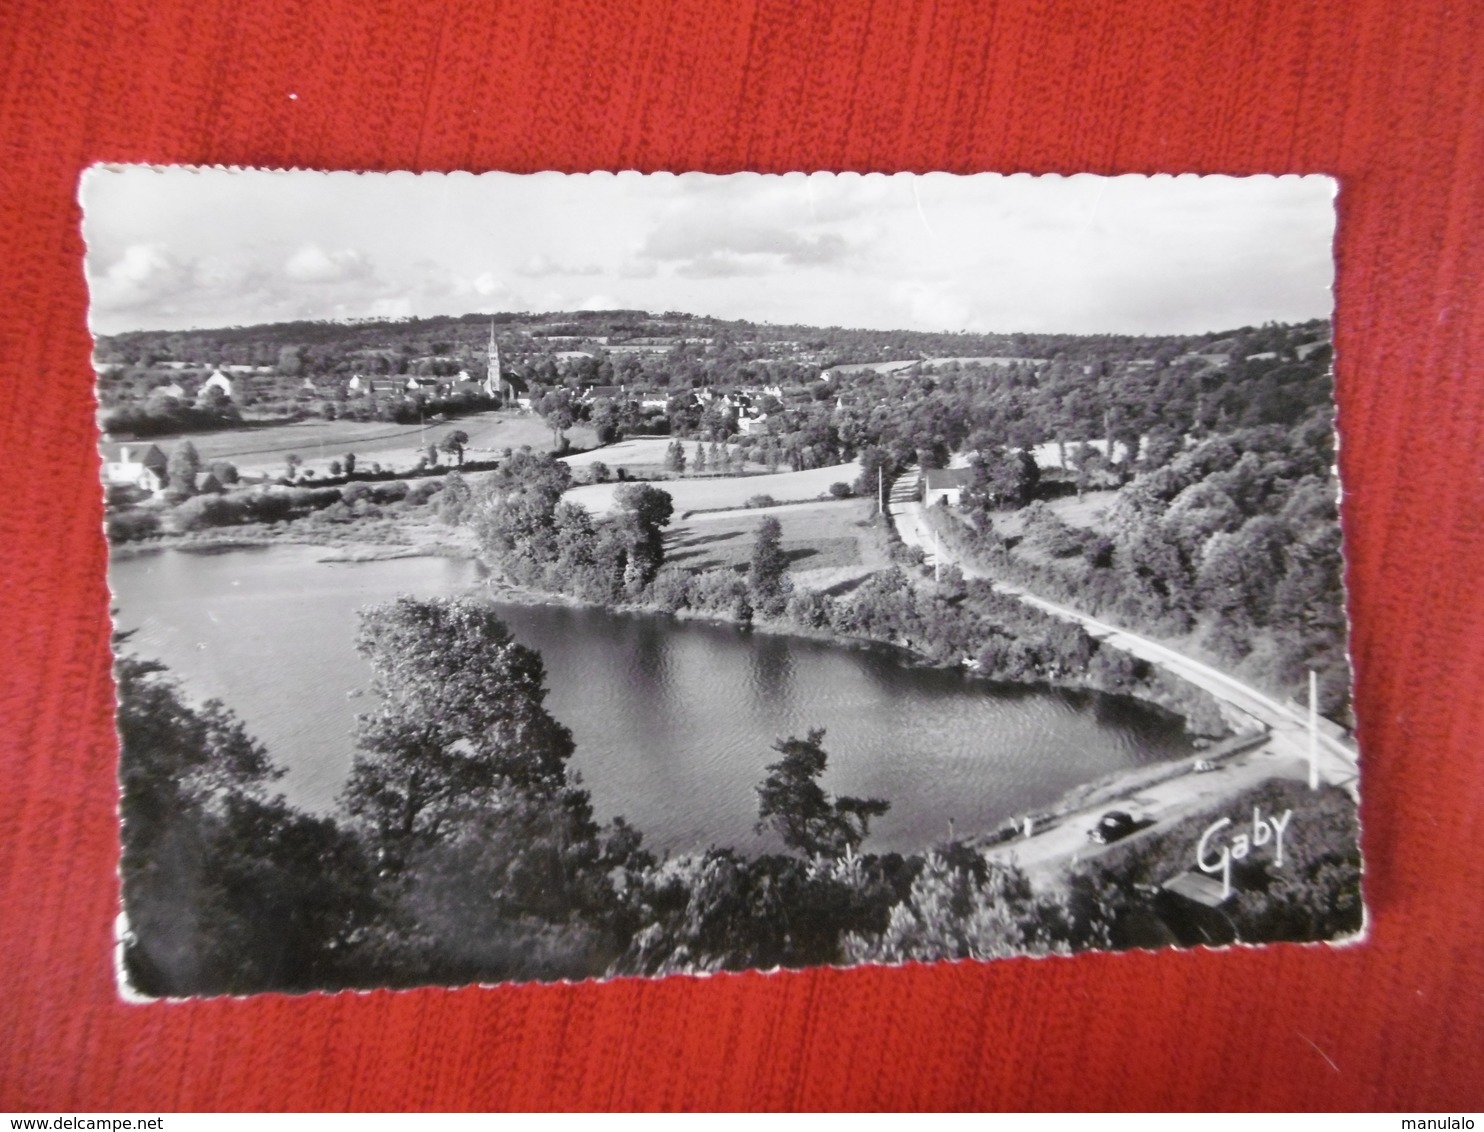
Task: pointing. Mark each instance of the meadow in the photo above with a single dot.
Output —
(262, 450)
(829, 545)
(723, 492)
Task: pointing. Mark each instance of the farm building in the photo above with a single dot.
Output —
(945, 484)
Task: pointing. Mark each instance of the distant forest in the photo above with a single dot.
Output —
(346, 347)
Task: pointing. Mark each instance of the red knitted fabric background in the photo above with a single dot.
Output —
(1389, 96)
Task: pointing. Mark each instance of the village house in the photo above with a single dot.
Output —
(945, 485)
(219, 381)
(134, 465)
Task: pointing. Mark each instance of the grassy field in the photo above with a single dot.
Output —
(725, 491)
(1090, 512)
(830, 546)
(644, 457)
(638, 452)
(263, 450)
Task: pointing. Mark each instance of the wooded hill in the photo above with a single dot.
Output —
(395, 346)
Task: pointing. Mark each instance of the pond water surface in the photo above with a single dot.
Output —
(674, 720)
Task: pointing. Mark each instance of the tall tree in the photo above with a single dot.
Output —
(181, 469)
(768, 566)
(456, 442)
(557, 411)
(792, 802)
(453, 500)
(460, 719)
(643, 513)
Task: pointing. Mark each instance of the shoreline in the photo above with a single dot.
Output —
(348, 549)
(515, 594)
(357, 550)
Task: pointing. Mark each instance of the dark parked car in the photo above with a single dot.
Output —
(1111, 826)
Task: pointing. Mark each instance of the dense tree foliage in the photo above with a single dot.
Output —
(227, 888)
(537, 539)
(459, 719)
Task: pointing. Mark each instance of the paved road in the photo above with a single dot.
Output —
(1064, 841)
(1289, 725)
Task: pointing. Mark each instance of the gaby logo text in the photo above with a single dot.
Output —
(1215, 853)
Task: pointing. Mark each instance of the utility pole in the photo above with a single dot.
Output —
(880, 489)
(937, 558)
(1313, 729)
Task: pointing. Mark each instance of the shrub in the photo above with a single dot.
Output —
(122, 494)
(671, 590)
(762, 501)
(389, 492)
(268, 506)
(208, 511)
(335, 513)
(809, 609)
(716, 591)
(123, 526)
(904, 555)
(841, 490)
(424, 491)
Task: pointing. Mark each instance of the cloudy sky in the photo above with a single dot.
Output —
(177, 248)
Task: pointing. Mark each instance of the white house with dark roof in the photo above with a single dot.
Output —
(945, 484)
(217, 380)
(135, 465)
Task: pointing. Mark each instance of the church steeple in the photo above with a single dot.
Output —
(492, 383)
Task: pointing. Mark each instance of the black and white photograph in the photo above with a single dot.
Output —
(524, 578)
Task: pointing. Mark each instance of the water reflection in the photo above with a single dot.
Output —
(772, 671)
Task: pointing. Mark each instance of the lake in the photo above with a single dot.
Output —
(674, 720)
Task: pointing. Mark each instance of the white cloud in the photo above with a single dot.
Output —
(144, 275)
(312, 264)
(541, 264)
(699, 247)
(933, 305)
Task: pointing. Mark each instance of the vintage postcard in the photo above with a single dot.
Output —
(565, 577)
